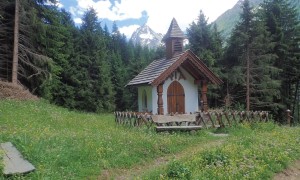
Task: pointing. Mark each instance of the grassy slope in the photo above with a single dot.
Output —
(253, 151)
(63, 144)
(72, 145)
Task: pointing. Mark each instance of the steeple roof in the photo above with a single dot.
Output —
(174, 31)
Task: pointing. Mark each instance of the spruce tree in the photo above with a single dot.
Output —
(59, 40)
(32, 66)
(199, 36)
(95, 91)
(249, 63)
(282, 20)
(206, 42)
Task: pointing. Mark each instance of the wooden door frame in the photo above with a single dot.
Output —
(178, 95)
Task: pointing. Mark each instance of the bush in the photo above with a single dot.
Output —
(178, 170)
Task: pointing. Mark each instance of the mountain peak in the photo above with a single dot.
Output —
(145, 36)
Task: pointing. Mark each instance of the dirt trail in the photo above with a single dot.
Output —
(124, 174)
(291, 173)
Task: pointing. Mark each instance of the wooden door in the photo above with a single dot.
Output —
(176, 98)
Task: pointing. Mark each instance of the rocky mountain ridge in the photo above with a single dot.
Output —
(146, 37)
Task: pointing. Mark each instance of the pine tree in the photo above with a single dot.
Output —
(6, 39)
(249, 63)
(58, 38)
(93, 79)
(31, 65)
(200, 39)
(206, 42)
(282, 20)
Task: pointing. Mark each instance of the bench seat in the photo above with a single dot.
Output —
(177, 128)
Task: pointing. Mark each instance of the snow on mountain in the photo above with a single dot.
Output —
(145, 36)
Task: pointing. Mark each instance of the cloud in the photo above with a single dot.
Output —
(160, 12)
(185, 12)
(128, 30)
(119, 11)
(85, 4)
(73, 10)
(78, 20)
(57, 3)
(126, 9)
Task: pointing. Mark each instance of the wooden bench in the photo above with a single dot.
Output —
(178, 122)
(177, 128)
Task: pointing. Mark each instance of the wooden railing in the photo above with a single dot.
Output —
(133, 118)
(211, 119)
(228, 118)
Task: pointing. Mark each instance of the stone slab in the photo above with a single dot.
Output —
(14, 163)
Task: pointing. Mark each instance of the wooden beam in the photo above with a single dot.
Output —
(204, 97)
(160, 103)
(197, 81)
(177, 128)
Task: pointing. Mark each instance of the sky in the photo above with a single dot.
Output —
(157, 14)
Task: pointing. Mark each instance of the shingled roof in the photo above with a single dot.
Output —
(153, 70)
(174, 31)
(159, 70)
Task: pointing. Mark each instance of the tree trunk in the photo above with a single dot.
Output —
(296, 102)
(16, 45)
(248, 81)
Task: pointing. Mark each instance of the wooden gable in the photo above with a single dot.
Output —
(193, 65)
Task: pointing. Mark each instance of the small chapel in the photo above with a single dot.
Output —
(176, 83)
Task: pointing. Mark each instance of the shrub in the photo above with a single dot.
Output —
(178, 170)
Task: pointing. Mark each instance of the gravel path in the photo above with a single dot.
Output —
(291, 173)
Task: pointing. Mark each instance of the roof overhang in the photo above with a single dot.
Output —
(190, 62)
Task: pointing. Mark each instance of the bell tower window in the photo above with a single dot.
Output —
(177, 46)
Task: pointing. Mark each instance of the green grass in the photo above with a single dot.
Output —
(64, 144)
(253, 151)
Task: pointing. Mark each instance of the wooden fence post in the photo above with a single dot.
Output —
(204, 97)
(288, 114)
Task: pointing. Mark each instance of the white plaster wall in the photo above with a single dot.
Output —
(148, 90)
(154, 99)
(190, 91)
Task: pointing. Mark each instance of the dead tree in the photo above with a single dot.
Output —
(16, 45)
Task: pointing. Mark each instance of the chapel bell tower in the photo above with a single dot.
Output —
(173, 40)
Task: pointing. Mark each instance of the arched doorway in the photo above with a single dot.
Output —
(176, 98)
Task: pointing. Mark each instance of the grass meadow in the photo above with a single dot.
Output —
(253, 151)
(64, 144)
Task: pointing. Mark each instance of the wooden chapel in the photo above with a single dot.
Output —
(176, 83)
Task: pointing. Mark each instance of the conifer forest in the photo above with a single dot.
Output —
(87, 67)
